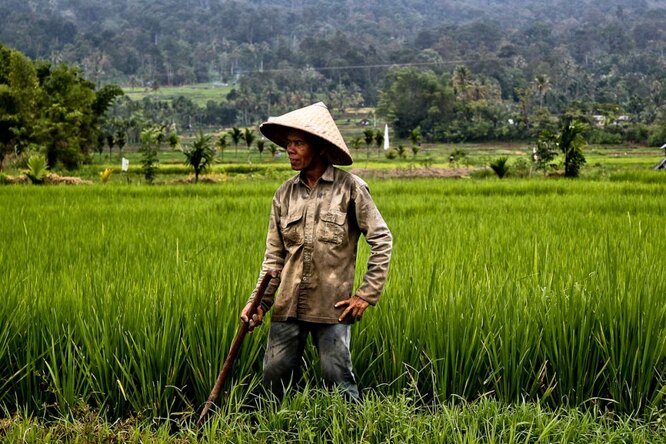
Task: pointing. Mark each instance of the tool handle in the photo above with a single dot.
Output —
(235, 346)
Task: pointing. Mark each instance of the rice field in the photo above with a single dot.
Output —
(124, 299)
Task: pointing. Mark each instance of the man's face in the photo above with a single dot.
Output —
(300, 150)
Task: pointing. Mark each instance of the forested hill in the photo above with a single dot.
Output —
(188, 41)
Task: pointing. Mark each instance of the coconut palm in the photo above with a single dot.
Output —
(542, 85)
(236, 136)
(221, 143)
(249, 137)
(368, 136)
(200, 154)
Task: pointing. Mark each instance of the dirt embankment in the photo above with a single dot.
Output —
(413, 172)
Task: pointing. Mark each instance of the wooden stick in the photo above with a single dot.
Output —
(235, 346)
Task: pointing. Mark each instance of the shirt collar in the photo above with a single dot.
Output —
(328, 176)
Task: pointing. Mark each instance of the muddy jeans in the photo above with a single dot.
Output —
(284, 352)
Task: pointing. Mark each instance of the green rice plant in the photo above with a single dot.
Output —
(530, 289)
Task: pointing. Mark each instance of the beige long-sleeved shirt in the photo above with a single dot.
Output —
(312, 238)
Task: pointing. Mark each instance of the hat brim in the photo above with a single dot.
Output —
(277, 133)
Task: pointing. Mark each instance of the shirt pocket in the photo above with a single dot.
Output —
(292, 229)
(332, 228)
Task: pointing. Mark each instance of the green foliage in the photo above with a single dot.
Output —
(261, 144)
(249, 137)
(368, 136)
(236, 136)
(545, 151)
(500, 166)
(37, 169)
(401, 151)
(52, 107)
(457, 155)
(150, 142)
(200, 155)
(315, 416)
(105, 175)
(273, 149)
(657, 134)
(379, 138)
(571, 142)
(356, 143)
(173, 140)
(415, 98)
(601, 137)
(415, 135)
(524, 317)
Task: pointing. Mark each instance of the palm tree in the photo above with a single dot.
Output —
(379, 140)
(571, 143)
(415, 137)
(236, 136)
(462, 79)
(500, 166)
(542, 85)
(261, 143)
(356, 143)
(248, 137)
(200, 154)
(368, 136)
(221, 143)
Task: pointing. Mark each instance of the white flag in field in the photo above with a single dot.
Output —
(386, 139)
(125, 164)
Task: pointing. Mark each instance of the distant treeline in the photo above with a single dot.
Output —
(474, 70)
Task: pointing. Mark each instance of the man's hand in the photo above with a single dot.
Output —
(355, 308)
(257, 318)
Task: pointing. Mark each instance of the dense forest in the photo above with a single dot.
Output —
(488, 69)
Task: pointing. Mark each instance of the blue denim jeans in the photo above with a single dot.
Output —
(284, 353)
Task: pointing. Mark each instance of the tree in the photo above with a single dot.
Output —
(368, 136)
(568, 140)
(402, 152)
(544, 151)
(415, 98)
(249, 137)
(415, 137)
(462, 81)
(221, 143)
(173, 140)
(571, 143)
(150, 142)
(236, 136)
(379, 140)
(356, 143)
(542, 85)
(261, 144)
(200, 155)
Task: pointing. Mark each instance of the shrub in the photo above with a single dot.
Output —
(37, 169)
(601, 137)
(500, 166)
(105, 175)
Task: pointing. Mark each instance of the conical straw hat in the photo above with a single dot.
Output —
(314, 120)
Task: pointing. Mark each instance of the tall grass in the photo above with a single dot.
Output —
(126, 298)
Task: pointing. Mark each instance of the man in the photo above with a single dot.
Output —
(316, 220)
